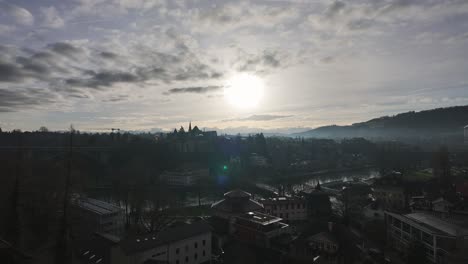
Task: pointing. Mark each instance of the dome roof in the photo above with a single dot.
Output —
(237, 201)
(237, 194)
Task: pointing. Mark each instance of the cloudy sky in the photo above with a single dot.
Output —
(155, 64)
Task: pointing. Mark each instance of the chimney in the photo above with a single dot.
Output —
(330, 227)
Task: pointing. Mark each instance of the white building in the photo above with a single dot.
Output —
(91, 215)
(287, 208)
(184, 177)
(445, 242)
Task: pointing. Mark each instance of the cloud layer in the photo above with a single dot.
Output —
(322, 61)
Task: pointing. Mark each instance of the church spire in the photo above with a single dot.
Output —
(317, 187)
(190, 127)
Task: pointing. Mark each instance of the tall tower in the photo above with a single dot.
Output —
(190, 127)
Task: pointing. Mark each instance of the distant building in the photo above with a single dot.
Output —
(184, 176)
(192, 141)
(317, 202)
(321, 247)
(445, 242)
(258, 229)
(441, 206)
(418, 203)
(235, 202)
(288, 208)
(186, 243)
(241, 216)
(324, 242)
(91, 215)
(258, 160)
(390, 197)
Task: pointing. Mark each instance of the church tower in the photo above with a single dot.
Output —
(190, 127)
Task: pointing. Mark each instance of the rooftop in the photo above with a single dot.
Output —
(237, 201)
(260, 218)
(281, 199)
(433, 224)
(97, 206)
(237, 194)
(141, 243)
(323, 236)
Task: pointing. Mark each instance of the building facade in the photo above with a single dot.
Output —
(258, 229)
(184, 177)
(181, 244)
(244, 220)
(390, 197)
(287, 208)
(91, 215)
(444, 242)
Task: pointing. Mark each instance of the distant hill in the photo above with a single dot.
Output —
(424, 124)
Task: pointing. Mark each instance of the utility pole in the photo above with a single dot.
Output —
(61, 254)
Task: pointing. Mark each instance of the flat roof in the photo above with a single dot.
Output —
(97, 206)
(260, 218)
(140, 243)
(433, 224)
(437, 223)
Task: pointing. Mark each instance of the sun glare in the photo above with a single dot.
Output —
(244, 90)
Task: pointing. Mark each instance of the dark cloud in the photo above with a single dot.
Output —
(103, 79)
(334, 9)
(108, 55)
(258, 63)
(197, 90)
(65, 49)
(10, 73)
(32, 65)
(12, 99)
(115, 99)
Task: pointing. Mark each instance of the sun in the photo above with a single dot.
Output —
(244, 90)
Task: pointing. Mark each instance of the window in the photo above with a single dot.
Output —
(287, 205)
(177, 251)
(203, 252)
(203, 242)
(195, 256)
(177, 262)
(186, 259)
(196, 245)
(186, 248)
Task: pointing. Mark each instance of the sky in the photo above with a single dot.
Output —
(155, 65)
